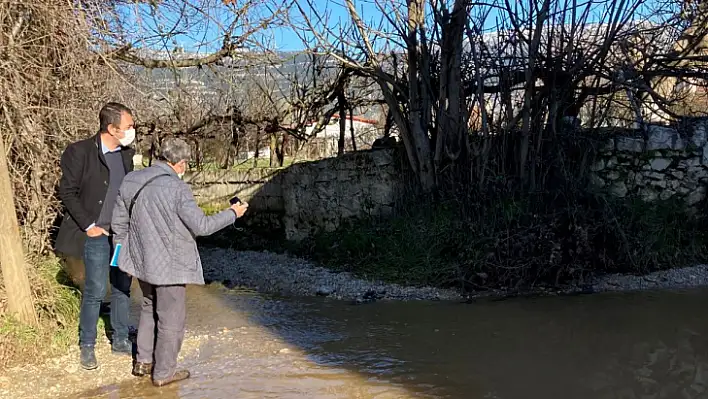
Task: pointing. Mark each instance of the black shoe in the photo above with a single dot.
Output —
(179, 375)
(88, 358)
(123, 347)
(142, 369)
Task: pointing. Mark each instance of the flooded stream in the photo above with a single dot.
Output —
(634, 345)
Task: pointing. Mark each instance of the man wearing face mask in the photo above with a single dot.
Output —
(92, 171)
(156, 219)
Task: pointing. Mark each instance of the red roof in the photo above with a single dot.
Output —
(359, 119)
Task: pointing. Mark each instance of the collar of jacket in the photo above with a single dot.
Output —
(167, 168)
(99, 151)
(126, 153)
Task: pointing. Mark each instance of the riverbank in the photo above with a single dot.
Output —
(281, 274)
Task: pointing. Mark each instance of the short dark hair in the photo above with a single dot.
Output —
(111, 114)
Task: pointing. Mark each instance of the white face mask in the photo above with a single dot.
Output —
(129, 138)
(184, 170)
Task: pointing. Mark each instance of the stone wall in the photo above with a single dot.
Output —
(320, 196)
(309, 197)
(260, 187)
(662, 163)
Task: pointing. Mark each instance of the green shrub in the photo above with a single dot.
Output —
(515, 243)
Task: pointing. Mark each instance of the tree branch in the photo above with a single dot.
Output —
(124, 54)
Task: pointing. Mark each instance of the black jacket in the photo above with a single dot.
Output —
(82, 189)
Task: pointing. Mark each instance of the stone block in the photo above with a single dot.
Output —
(664, 138)
(683, 190)
(666, 194)
(688, 163)
(696, 196)
(654, 175)
(648, 195)
(612, 162)
(659, 184)
(619, 189)
(699, 138)
(596, 181)
(660, 163)
(613, 175)
(639, 179)
(630, 144)
(697, 173)
(677, 174)
(598, 165)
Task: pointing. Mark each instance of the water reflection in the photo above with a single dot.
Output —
(641, 345)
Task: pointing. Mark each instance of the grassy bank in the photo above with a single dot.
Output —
(58, 309)
(510, 244)
(517, 244)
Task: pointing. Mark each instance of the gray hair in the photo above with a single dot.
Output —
(174, 150)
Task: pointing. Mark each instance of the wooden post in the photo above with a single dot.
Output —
(12, 257)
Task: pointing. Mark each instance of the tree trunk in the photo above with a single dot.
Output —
(273, 150)
(282, 150)
(12, 258)
(342, 127)
(418, 133)
(258, 146)
(351, 128)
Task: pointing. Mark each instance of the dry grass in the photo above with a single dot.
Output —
(51, 84)
(58, 309)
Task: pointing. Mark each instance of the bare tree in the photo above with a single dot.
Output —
(524, 69)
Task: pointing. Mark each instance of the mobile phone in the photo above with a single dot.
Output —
(235, 200)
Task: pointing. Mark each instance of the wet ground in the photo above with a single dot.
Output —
(244, 345)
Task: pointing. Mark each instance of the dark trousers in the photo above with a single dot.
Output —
(75, 272)
(163, 307)
(97, 258)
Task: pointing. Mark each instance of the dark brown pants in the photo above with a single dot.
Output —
(163, 307)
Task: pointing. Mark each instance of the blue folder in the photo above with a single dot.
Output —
(114, 259)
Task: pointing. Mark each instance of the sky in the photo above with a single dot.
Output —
(203, 32)
(206, 31)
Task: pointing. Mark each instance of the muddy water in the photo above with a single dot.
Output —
(641, 345)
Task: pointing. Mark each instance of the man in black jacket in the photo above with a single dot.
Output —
(92, 171)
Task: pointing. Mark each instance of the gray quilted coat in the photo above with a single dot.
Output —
(158, 242)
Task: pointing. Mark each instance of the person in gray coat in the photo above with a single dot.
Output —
(156, 220)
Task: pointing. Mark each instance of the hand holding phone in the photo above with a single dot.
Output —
(238, 207)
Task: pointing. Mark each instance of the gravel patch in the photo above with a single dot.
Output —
(282, 274)
(61, 377)
(686, 277)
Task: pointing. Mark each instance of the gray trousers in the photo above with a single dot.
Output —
(161, 328)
